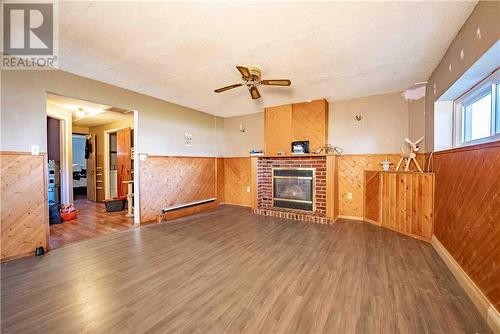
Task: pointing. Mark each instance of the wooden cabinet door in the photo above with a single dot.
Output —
(278, 129)
(123, 159)
(310, 122)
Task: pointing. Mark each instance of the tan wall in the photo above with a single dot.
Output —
(382, 129)
(24, 205)
(23, 112)
(484, 17)
(458, 184)
(467, 212)
(237, 143)
(83, 130)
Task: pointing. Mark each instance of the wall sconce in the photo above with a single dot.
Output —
(242, 128)
(359, 118)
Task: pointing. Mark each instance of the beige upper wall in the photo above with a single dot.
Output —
(416, 121)
(382, 129)
(23, 114)
(237, 143)
(485, 17)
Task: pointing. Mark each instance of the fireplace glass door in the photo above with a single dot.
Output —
(294, 188)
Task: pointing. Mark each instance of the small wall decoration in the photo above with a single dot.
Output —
(242, 128)
(359, 118)
(188, 139)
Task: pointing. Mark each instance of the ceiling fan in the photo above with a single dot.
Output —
(251, 79)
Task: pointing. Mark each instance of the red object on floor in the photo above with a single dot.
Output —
(65, 216)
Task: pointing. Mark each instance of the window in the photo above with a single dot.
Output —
(478, 113)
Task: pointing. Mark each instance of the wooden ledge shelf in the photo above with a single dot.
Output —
(400, 201)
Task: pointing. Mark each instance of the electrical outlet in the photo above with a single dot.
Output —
(349, 196)
(248, 189)
(35, 149)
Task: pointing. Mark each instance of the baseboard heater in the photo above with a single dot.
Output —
(186, 205)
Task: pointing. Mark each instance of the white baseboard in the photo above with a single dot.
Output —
(489, 313)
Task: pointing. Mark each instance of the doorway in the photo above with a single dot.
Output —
(96, 155)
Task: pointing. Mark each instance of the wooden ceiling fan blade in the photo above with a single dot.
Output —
(223, 89)
(276, 82)
(254, 92)
(245, 72)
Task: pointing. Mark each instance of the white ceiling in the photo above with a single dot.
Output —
(181, 52)
(94, 114)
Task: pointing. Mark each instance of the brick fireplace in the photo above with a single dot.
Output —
(316, 165)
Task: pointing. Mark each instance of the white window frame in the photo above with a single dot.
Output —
(480, 90)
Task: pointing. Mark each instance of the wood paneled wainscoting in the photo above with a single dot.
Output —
(467, 213)
(167, 181)
(24, 206)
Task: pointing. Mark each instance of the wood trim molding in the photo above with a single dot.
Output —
(487, 310)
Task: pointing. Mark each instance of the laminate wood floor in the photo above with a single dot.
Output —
(228, 271)
(92, 221)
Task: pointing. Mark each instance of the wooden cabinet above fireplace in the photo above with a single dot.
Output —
(295, 122)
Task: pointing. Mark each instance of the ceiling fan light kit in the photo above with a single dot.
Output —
(251, 77)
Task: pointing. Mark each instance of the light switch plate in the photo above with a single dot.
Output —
(349, 196)
(248, 189)
(35, 149)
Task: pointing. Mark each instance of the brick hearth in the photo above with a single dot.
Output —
(264, 188)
